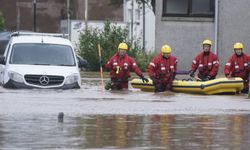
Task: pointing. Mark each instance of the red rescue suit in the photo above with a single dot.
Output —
(163, 71)
(120, 68)
(238, 66)
(207, 65)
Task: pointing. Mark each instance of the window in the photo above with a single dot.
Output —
(188, 8)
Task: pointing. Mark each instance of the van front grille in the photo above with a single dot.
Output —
(44, 80)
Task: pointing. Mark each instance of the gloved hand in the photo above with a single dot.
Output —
(143, 79)
(246, 77)
(207, 78)
(192, 74)
(248, 64)
(118, 69)
(153, 80)
(101, 62)
(108, 85)
(172, 76)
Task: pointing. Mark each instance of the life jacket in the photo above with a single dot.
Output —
(121, 67)
(205, 63)
(166, 67)
(238, 66)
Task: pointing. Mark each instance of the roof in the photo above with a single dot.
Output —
(40, 39)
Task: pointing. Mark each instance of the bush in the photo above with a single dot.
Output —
(109, 39)
(2, 24)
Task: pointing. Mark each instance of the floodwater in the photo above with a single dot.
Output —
(97, 119)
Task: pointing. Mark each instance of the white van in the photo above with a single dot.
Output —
(39, 60)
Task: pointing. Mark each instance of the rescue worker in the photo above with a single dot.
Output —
(238, 66)
(206, 62)
(120, 66)
(162, 69)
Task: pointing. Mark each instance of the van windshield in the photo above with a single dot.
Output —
(42, 54)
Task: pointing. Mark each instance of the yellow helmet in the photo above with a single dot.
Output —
(238, 45)
(208, 42)
(166, 49)
(123, 46)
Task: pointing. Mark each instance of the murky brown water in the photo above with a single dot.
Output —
(96, 119)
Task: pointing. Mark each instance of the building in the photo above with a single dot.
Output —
(135, 23)
(19, 14)
(52, 15)
(184, 24)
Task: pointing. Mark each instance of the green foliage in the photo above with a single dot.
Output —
(109, 39)
(143, 59)
(2, 24)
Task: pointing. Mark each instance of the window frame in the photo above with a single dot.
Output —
(189, 13)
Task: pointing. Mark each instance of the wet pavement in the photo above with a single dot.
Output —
(97, 119)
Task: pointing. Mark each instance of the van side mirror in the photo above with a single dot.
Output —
(2, 60)
(82, 63)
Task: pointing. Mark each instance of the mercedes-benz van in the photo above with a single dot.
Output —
(39, 60)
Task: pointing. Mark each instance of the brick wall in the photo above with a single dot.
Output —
(19, 13)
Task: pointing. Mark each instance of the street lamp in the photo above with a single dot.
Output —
(86, 14)
(34, 15)
(143, 31)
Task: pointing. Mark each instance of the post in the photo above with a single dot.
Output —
(86, 14)
(34, 15)
(132, 22)
(100, 59)
(18, 16)
(68, 20)
(143, 32)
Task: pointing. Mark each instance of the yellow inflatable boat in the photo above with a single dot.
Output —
(216, 86)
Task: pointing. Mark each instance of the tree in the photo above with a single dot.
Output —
(2, 23)
(109, 38)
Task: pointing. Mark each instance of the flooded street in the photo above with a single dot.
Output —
(97, 119)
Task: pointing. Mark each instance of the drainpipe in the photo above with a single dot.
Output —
(132, 22)
(143, 31)
(124, 11)
(216, 27)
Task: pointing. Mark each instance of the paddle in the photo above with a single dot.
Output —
(100, 60)
(186, 72)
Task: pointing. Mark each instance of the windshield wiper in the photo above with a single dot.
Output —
(42, 64)
(64, 65)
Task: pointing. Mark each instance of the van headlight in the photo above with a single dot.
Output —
(72, 79)
(16, 77)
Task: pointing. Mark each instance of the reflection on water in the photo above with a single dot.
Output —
(164, 132)
(171, 132)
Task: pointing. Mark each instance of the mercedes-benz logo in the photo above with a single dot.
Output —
(44, 80)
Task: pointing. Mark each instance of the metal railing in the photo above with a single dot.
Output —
(39, 34)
